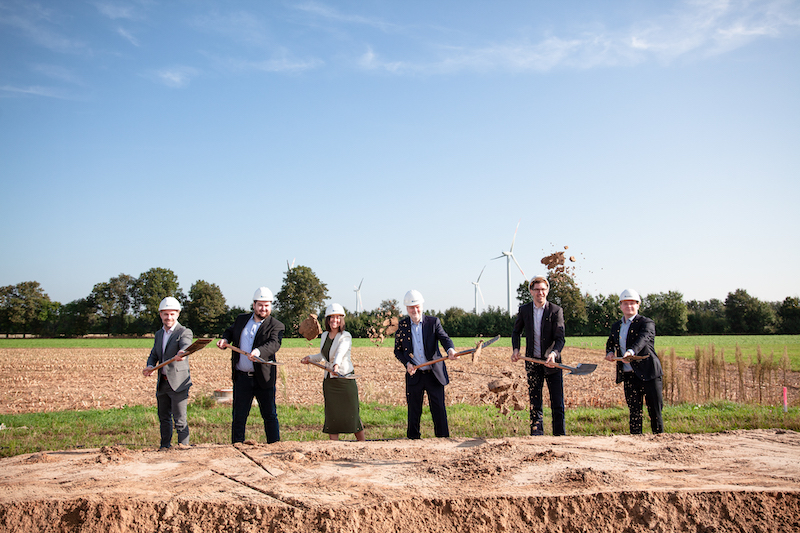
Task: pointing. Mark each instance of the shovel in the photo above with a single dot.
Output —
(476, 351)
(257, 358)
(338, 375)
(196, 346)
(628, 358)
(580, 370)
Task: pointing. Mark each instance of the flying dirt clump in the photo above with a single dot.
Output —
(556, 267)
(505, 392)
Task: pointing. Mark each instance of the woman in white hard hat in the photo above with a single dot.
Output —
(341, 393)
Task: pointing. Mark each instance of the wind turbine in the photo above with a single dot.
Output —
(289, 268)
(478, 290)
(509, 255)
(359, 305)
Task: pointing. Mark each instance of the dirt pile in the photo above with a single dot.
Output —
(737, 481)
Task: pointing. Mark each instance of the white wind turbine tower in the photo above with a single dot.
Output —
(478, 290)
(509, 255)
(359, 305)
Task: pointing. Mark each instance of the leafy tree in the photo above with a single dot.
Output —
(747, 314)
(113, 300)
(789, 313)
(601, 313)
(152, 287)
(705, 318)
(26, 308)
(76, 318)
(206, 309)
(668, 311)
(301, 293)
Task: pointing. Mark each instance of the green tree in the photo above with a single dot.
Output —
(301, 293)
(206, 309)
(26, 308)
(113, 300)
(601, 313)
(748, 314)
(705, 318)
(789, 313)
(152, 287)
(668, 311)
(76, 318)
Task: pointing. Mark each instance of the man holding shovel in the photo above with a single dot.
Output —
(632, 345)
(172, 389)
(414, 344)
(254, 337)
(543, 324)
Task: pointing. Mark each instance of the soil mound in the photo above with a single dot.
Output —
(734, 481)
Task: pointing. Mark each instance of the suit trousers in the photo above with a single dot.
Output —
(245, 388)
(416, 387)
(651, 391)
(172, 406)
(555, 386)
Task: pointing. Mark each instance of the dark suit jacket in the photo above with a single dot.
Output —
(177, 372)
(268, 341)
(552, 334)
(641, 339)
(432, 332)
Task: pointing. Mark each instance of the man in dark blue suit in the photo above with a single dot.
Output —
(543, 325)
(415, 343)
(635, 335)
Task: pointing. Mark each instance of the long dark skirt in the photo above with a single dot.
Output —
(341, 406)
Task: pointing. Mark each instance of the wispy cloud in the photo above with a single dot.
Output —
(34, 90)
(694, 30)
(330, 13)
(116, 10)
(175, 77)
(58, 72)
(128, 36)
(240, 26)
(280, 61)
(39, 25)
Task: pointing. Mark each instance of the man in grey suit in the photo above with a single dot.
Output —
(172, 390)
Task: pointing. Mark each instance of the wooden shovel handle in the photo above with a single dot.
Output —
(543, 362)
(326, 368)
(260, 360)
(434, 361)
(165, 363)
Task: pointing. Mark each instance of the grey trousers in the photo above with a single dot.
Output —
(172, 406)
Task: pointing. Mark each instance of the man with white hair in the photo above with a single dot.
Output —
(258, 334)
(415, 343)
(633, 339)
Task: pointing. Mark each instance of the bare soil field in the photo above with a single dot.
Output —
(732, 481)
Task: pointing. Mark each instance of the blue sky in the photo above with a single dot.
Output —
(402, 143)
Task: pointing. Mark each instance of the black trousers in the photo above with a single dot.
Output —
(245, 388)
(416, 387)
(555, 386)
(650, 391)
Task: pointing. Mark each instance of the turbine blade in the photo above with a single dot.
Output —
(359, 285)
(515, 237)
(481, 274)
(481, 293)
(498, 257)
(519, 267)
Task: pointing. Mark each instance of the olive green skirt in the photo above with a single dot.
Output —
(341, 406)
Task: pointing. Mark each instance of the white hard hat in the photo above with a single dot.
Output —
(412, 298)
(169, 303)
(629, 294)
(263, 294)
(334, 309)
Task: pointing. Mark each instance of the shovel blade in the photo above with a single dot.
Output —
(583, 369)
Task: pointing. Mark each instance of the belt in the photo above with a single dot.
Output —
(248, 374)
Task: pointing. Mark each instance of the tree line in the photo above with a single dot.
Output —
(127, 305)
